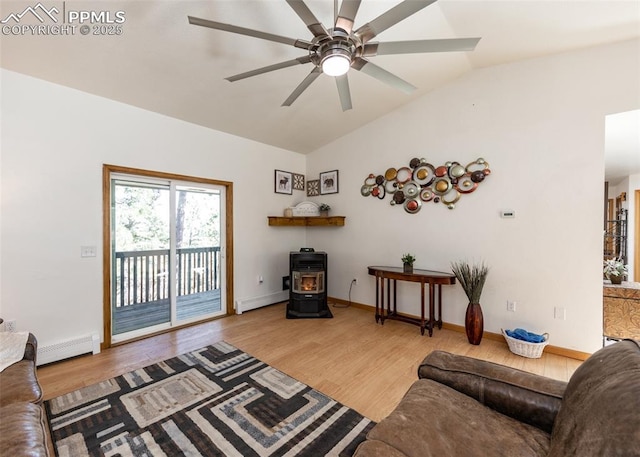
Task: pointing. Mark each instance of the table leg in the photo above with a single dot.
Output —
(382, 313)
(422, 309)
(395, 288)
(377, 298)
(431, 307)
(440, 306)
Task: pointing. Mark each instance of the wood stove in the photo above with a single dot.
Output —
(308, 287)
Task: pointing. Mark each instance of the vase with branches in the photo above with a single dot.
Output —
(472, 278)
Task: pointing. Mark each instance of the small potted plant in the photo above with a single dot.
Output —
(407, 263)
(324, 209)
(615, 270)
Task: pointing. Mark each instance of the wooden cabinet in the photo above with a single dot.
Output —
(309, 221)
(622, 310)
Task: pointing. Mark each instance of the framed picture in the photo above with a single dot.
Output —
(298, 182)
(283, 182)
(329, 182)
(313, 187)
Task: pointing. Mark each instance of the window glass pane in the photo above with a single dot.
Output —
(141, 242)
(198, 252)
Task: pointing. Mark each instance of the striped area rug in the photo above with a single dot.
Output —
(216, 401)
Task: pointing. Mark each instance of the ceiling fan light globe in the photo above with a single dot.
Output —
(336, 65)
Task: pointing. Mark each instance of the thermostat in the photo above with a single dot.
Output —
(508, 213)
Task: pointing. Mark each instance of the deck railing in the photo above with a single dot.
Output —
(143, 276)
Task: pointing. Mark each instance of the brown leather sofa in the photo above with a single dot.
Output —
(461, 406)
(23, 423)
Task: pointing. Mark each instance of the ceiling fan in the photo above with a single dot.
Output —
(333, 51)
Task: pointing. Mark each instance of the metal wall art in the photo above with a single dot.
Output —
(421, 182)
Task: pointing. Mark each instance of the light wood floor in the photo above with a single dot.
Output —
(363, 365)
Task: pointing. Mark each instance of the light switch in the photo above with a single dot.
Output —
(87, 251)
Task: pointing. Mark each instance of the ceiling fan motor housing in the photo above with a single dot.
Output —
(336, 47)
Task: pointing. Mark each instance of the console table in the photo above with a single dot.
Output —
(386, 278)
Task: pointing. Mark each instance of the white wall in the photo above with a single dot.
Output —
(540, 124)
(54, 142)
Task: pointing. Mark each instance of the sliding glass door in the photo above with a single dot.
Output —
(198, 252)
(167, 250)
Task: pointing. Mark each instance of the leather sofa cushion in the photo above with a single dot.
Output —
(19, 383)
(600, 413)
(435, 420)
(521, 395)
(23, 431)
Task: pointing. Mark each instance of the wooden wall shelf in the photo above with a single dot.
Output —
(307, 221)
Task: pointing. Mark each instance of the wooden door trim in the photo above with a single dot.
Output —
(636, 238)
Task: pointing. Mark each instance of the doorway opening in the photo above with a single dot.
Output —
(167, 250)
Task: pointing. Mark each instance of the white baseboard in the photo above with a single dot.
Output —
(68, 348)
(247, 304)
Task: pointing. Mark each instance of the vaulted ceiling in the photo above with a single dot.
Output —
(163, 64)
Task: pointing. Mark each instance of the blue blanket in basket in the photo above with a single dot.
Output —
(522, 334)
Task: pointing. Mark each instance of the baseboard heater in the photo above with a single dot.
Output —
(68, 348)
(264, 300)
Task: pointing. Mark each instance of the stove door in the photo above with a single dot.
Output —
(308, 282)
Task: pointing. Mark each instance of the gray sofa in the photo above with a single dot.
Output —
(461, 406)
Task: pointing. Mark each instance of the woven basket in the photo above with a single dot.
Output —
(525, 348)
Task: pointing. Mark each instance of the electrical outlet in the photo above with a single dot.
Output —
(355, 281)
(560, 313)
(511, 306)
(260, 279)
(10, 326)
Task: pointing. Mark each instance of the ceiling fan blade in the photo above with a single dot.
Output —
(347, 15)
(418, 46)
(383, 75)
(343, 91)
(306, 82)
(390, 18)
(250, 32)
(312, 23)
(268, 68)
